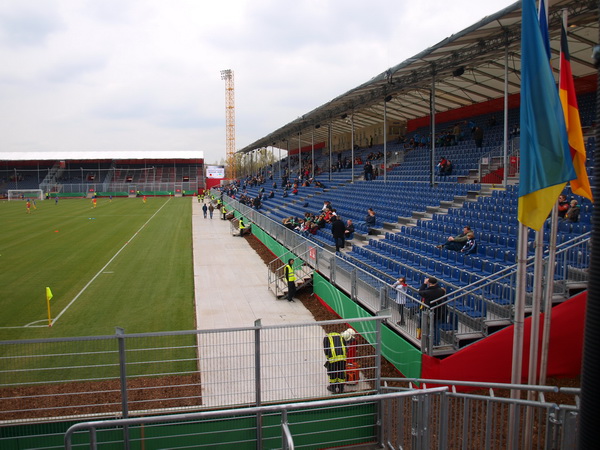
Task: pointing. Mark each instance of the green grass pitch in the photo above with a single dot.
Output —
(124, 264)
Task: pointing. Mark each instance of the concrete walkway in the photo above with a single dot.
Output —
(231, 292)
(230, 280)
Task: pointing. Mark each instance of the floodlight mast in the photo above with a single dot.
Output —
(227, 75)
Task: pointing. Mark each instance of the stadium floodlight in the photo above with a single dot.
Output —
(19, 194)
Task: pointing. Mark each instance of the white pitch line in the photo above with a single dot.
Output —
(107, 264)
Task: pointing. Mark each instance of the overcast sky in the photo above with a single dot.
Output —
(139, 75)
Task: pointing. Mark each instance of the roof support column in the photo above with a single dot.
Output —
(329, 140)
(312, 154)
(352, 144)
(432, 115)
(505, 140)
(385, 138)
(300, 155)
(289, 157)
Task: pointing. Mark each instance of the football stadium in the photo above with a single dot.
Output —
(409, 268)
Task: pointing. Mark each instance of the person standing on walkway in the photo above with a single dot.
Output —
(335, 348)
(401, 288)
(290, 277)
(431, 292)
(242, 227)
(338, 231)
(204, 209)
(211, 209)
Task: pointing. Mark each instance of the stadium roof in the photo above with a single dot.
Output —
(95, 155)
(468, 67)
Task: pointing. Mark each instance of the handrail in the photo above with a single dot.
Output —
(92, 426)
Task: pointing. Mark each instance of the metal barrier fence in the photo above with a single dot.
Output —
(483, 416)
(400, 417)
(475, 304)
(127, 374)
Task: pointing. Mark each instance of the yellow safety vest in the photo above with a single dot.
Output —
(241, 224)
(334, 356)
(291, 276)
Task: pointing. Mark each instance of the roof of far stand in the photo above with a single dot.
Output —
(100, 155)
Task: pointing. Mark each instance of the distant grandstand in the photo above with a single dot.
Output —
(77, 174)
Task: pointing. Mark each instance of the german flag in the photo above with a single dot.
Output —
(568, 99)
(546, 163)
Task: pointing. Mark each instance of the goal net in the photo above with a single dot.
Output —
(19, 194)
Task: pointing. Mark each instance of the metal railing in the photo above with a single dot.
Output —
(452, 415)
(124, 374)
(275, 426)
(276, 281)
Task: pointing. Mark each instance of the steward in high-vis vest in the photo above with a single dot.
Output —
(290, 277)
(243, 228)
(223, 212)
(334, 346)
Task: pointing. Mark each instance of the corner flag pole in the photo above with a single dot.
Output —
(48, 298)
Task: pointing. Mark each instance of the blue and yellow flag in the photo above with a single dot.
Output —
(546, 163)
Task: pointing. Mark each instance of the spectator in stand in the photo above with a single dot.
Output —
(563, 206)
(320, 220)
(368, 169)
(572, 214)
(290, 222)
(515, 131)
(478, 137)
(470, 246)
(457, 242)
(441, 165)
(338, 230)
(401, 287)
(349, 230)
(371, 219)
(457, 133)
(448, 169)
(430, 292)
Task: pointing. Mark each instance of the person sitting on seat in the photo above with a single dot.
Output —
(563, 206)
(349, 229)
(457, 242)
(572, 214)
(447, 170)
(470, 246)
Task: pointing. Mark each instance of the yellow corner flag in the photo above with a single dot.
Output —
(48, 298)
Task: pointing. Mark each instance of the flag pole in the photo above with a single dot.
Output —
(548, 293)
(550, 275)
(519, 312)
(49, 313)
(48, 298)
(538, 270)
(518, 329)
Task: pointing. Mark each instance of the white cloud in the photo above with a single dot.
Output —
(145, 74)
